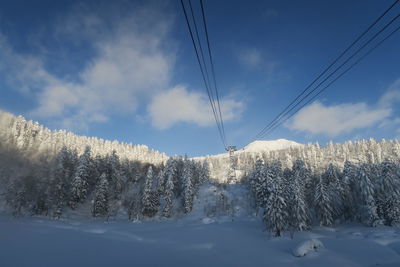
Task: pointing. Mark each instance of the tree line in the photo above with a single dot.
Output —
(101, 186)
(294, 199)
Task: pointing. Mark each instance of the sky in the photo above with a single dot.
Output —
(127, 71)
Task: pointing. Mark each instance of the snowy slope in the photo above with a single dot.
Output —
(43, 242)
(219, 164)
(261, 145)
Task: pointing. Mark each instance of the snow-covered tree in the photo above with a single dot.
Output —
(322, 203)
(188, 191)
(388, 195)
(349, 189)
(79, 185)
(368, 207)
(101, 200)
(299, 217)
(149, 204)
(168, 195)
(61, 180)
(275, 214)
(335, 189)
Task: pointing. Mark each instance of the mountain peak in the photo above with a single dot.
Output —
(269, 145)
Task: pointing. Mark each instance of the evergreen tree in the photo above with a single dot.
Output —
(115, 176)
(101, 204)
(188, 186)
(79, 185)
(204, 174)
(334, 189)
(149, 205)
(322, 203)
(388, 195)
(160, 181)
(168, 195)
(349, 189)
(299, 219)
(368, 208)
(258, 182)
(275, 214)
(61, 180)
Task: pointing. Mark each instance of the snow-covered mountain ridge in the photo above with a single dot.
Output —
(263, 145)
(32, 137)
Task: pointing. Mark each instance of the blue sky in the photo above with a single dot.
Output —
(126, 70)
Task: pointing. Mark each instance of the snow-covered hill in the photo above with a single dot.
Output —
(261, 145)
(220, 163)
(33, 138)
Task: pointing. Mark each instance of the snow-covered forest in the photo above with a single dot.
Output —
(316, 157)
(297, 198)
(47, 173)
(59, 174)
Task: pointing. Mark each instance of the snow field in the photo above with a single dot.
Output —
(189, 242)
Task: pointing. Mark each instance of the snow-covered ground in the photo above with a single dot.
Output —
(188, 242)
(209, 236)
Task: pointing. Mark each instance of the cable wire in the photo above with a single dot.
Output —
(203, 73)
(337, 69)
(326, 69)
(212, 66)
(334, 80)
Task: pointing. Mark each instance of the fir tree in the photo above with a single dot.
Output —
(79, 185)
(188, 186)
(100, 204)
(368, 208)
(115, 175)
(299, 218)
(275, 214)
(349, 189)
(168, 196)
(322, 203)
(334, 189)
(389, 193)
(61, 180)
(149, 207)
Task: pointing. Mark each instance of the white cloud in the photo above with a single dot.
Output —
(179, 105)
(337, 119)
(250, 57)
(334, 120)
(133, 60)
(129, 66)
(391, 96)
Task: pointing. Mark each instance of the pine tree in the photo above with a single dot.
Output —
(100, 204)
(204, 175)
(149, 205)
(160, 181)
(168, 196)
(299, 218)
(114, 175)
(79, 185)
(322, 203)
(349, 189)
(334, 189)
(368, 208)
(388, 195)
(254, 177)
(188, 186)
(258, 183)
(61, 180)
(275, 214)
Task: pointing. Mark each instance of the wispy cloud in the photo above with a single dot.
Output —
(250, 57)
(335, 120)
(180, 105)
(132, 64)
